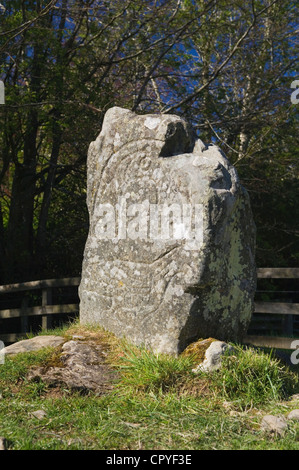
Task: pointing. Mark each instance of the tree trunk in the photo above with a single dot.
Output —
(20, 226)
(41, 239)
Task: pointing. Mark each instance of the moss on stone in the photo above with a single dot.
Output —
(197, 349)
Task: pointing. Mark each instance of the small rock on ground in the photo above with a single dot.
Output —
(294, 414)
(213, 356)
(39, 414)
(294, 397)
(33, 344)
(274, 424)
(3, 443)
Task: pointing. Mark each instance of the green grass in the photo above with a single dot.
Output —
(144, 371)
(158, 403)
(252, 377)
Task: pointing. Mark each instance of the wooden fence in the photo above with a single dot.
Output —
(286, 313)
(48, 307)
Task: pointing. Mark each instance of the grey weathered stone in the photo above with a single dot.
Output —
(294, 415)
(82, 368)
(3, 443)
(33, 344)
(294, 397)
(213, 356)
(39, 414)
(274, 424)
(165, 293)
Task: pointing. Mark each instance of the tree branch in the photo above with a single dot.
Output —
(224, 63)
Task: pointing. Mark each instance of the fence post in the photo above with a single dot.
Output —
(288, 325)
(24, 317)
(46, 300)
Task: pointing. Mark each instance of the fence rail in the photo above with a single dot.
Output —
(287, 309)
(48, 308)
(44, 284)
(45, 310)
(278, 273)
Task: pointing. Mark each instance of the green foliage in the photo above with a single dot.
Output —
(13, 374)
(248, 377)
(226, 68)
(145, 371)
(252, 377)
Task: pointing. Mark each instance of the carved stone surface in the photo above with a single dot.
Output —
(170, 252)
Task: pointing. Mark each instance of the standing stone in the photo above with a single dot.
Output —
(170, 252)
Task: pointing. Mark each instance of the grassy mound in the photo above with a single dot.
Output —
(158, 403)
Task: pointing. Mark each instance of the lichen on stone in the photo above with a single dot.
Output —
(197, 349)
